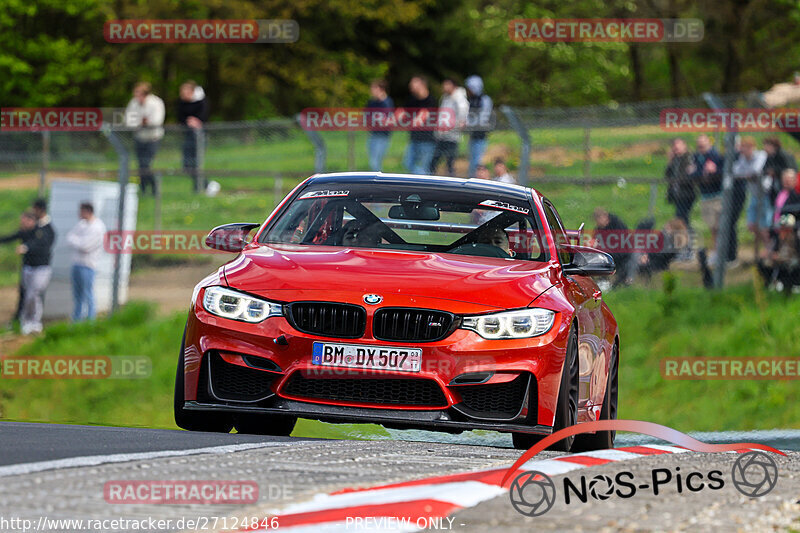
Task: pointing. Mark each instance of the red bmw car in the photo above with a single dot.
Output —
(407, 301)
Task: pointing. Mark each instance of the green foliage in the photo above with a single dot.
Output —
(53, 52)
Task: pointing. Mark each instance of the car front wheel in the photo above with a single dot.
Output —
(566, 406)
(195, 420)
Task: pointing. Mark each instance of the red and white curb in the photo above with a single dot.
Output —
(423, 503)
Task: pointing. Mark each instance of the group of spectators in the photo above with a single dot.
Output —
(146, 113)
(769, 176)
(35, 238)
(469, 106)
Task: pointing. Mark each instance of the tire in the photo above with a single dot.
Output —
(566, 406)
(276, 425)
(603, 440)
(195, 420)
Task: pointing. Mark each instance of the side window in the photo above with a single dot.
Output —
(554, 221)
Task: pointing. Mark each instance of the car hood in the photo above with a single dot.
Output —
(290, 272)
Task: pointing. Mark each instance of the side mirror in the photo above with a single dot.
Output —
(230, 237)
(588, 261)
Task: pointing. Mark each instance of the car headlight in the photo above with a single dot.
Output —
(235, 305)
(511, 324)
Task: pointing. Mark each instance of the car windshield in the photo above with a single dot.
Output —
(443, 220)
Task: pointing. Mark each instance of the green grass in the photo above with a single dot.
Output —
(653, 325)
(737, 322)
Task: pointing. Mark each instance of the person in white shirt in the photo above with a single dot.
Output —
(86, 240)
(453, 109)
(749, 166)
(145, 112)
(501, 172)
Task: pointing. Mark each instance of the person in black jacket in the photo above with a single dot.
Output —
(778, 160)
(36, 251)
(610, 229)
(192, 114)
(20, 235)
(421, 143)
(680, 187)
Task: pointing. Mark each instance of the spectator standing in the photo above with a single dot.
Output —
(501, 172)
(479, 121)
(482, 172)
(777, 161)
(36, 251)
(608, 222)
(86, 241)
(20, 235)
(145, 112)
(708, 164)
(192, 114)
(749, 167)
(680, 187)
(453, 111)
(421, 143)
(378, 140)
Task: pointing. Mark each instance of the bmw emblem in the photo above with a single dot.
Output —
(373, 299)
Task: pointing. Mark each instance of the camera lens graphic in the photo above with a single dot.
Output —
(601, 487)
(754, 474)
(532, 493)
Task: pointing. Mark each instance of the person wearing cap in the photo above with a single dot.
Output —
(478, 121)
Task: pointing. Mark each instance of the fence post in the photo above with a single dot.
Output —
(587, 154)
(200, 159)
(122, 154)
(524, 136)
(351, 150)
(726, 222)
(320, 153)
(651, 208)
(45, 162)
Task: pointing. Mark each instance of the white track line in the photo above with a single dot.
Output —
(94, 460)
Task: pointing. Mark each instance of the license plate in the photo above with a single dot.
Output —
(362, 356)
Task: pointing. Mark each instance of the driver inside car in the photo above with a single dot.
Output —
(495, 236)
(358, 233)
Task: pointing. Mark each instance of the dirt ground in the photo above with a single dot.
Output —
(31, 181)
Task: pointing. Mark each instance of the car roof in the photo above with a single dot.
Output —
(444, 182)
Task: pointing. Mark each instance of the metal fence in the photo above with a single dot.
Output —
(609, 156)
